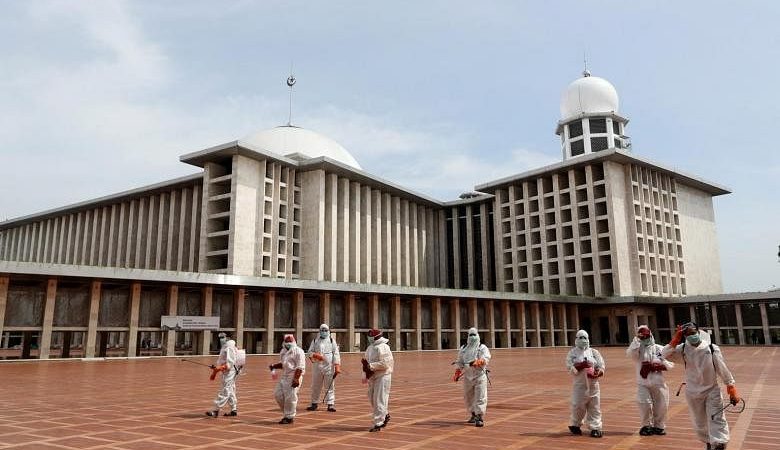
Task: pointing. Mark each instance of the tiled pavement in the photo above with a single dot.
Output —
(160, 404)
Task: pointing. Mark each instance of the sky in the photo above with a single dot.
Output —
(438, 96)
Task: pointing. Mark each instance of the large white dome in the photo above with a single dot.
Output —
(288, 139)
(589, 95)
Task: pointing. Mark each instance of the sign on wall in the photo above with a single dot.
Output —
(189, 323)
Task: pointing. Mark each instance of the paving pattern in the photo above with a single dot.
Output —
(160, 404)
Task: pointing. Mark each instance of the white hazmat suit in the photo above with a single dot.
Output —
(586, 365)
(293, 361)
(379, 360)
(226, 363)
(474, 375)
(326, 348)
(703, 364)
(652, 392)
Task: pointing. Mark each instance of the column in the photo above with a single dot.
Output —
(523, 327)
(48, 319)
(239, 295)
(4, 281)
(298, 316)
(350, 312)
(764, 324)
(564, 325)
(373, 310)
(473, 315)
(491, 322)
(551, 323)
(94, 314)
(417, 323)
(270, 327)
(715, 326)
(740, 330)
(173, 303)
(635, 322)
(436, 314)
(325, 307)
(396, 312)
(135, 306)
(537, 324)
(455, 311)
(507, 325)
(205, 338)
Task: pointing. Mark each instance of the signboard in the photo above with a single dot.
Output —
(189, 323)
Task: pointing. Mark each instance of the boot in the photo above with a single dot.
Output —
(313, 407)
(646, 431)
(719, 447)
(376, 428)
(575, 430)
(659, 431)
(232, 413)
(286, 420)
(473, 418)
(387, 419)
(331, 408)
(596, 433)
(478, 421)
(214, 413)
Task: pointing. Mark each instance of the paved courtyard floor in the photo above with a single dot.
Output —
(160, 404)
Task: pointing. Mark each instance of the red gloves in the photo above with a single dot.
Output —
(214, 373)
(597, 373)
(317, 356)
(479, 363)
(297, 378)
(733, 394)
(367, 368)
(677, 338)
(275, 366)
(217, 369)
(582, 365)
(658, 367)
(457, 375)
(647, 367)
(336, 370)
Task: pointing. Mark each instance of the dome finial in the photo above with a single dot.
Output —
(585, 72)
(290, 84)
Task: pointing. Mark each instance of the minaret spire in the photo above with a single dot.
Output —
(290, 84)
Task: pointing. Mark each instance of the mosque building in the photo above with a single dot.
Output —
(283, 230)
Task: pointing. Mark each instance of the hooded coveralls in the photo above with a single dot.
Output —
(652, 393)
(287, 396)
(323, 370)
(380, 360)
(227, 391)
(586, 396)
(702, 393)
(474, 378)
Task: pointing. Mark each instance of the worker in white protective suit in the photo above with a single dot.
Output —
(326, 362)
(293, 365)
(652, 393)
(473, 359)
(226, 364)
(703, 364)
(587, 366)
(378, 369)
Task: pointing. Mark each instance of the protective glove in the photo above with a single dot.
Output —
(336, 370)
(658, 367)
(222, 368)
(677, 338)
(317, 356)
(584, 364)
(297, 378)
(275, 366)
(458, 374)
(366, 368)
(646, 369)
(733, 394)
(214, 373)
(478, 363)
(597, 373)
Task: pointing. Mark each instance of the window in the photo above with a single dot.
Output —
(598, 144)
(575, 129)
(598, 126)
(577, 148)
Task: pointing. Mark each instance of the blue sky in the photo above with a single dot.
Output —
(99, 97)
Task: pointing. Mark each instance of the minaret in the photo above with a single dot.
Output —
(589, 118)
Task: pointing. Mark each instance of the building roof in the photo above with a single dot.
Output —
(288, 140)
(612, 154)
(589, 95)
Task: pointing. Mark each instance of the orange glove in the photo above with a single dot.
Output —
(297, 378)
(458, 374)
(479, 363)
(733, 394)
(336, 370)
(222, 368)
(677, 338)
(317, 356)
(582, 365)
(214, 373)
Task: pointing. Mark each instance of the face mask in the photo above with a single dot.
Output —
(289, 345)
(222, 341)
(646, 341)
(582, 343)
(693, 339)
(473, 339)
(324, 334)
